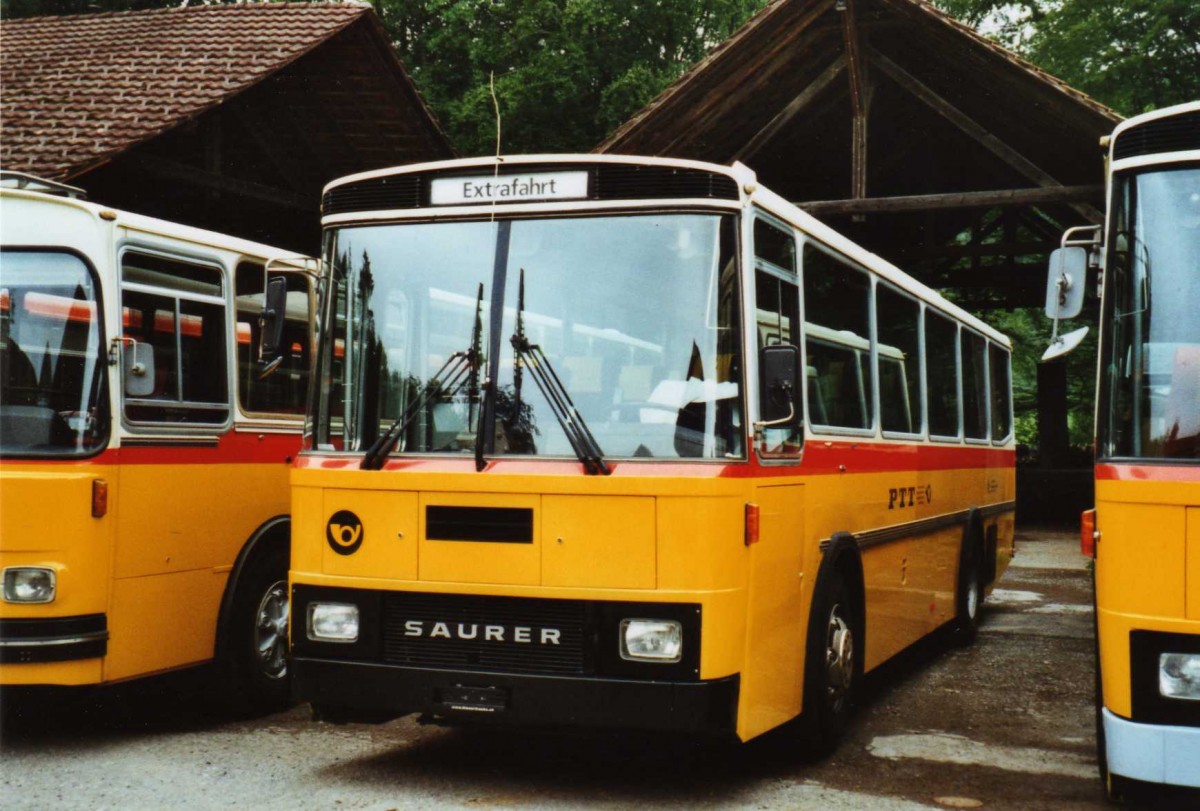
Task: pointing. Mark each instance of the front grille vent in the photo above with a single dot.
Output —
(617, 181)
(486, 524)
(461, 616)
(1174, 134)
(393, 191)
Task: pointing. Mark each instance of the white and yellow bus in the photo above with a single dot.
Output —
(144, 448)
(631, 442)
(1145, 530)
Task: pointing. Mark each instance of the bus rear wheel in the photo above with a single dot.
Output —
(256, 651)
(968, 597)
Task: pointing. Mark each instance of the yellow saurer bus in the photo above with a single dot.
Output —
(143, 453)
(1145, 530)
(627, 442)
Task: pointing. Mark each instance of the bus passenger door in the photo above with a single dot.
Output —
(177, 494)
(777, 614)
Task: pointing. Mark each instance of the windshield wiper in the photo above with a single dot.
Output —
(532, 357)
(460, 369)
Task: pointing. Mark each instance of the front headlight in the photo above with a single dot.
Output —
(1179, 675)
(29, 585)
(651, 640)
(333, 622)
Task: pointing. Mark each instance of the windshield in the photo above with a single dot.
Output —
(51, 366)
(635, 315)
(1151, 378)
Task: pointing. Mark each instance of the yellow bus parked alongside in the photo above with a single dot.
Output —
(143, 453)
(1145, 530)
(626, 442)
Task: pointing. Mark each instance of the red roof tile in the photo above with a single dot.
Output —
(79, 89)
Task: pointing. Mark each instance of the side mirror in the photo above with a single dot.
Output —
(778, 385)
(271, 321)
(1066, 282)
(137, 369)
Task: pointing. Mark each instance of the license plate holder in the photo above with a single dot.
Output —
(480, 700)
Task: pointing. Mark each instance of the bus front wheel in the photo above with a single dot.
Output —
(832, 666)
(256, 660)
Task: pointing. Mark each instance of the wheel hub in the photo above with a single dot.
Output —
(271, 624)
(839, 657)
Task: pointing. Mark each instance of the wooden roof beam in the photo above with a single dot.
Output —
(974, 130)
(802, 100)
(973, 199)
(174, 170)
(860, 100)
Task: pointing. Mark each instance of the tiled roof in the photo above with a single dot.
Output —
(78, 90)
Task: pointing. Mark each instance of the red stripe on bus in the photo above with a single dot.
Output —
(60, 307)
(231, 448)
(820, 458)
(1147, 473)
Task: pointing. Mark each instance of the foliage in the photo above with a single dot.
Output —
(1030, 330)
(1134, 56)
(566, 72)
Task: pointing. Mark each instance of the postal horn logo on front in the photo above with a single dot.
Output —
(344, 532)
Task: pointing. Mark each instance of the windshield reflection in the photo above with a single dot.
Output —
(1152, 369)
(51, 369)
(635, 314)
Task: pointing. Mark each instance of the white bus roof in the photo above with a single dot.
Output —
(155, 226)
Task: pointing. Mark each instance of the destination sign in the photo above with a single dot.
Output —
(534, 186)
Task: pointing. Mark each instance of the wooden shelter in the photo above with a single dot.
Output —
(922, 140)
(228, 117)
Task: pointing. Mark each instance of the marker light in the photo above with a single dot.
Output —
(1179, 675)
(29, 585)
(333, 622)
(651, 640)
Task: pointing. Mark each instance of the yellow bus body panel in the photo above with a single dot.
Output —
(156, 564)
(669, 538)
(46, 520)
(180, 530)
(1147, 571)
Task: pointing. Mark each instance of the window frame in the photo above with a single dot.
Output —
(105, 399)
(954, 322)
(260, 266)
(921, 432)
(783, 276)
(873, 400)
(1006, 352)
(209, 261)
(986, 439)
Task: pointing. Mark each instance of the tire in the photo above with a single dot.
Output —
(968, 593)
(255, 661)
(832, 666)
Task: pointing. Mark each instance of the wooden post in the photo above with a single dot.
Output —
(1053, 436)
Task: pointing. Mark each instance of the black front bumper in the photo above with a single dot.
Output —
(56, 639)
(365, 689)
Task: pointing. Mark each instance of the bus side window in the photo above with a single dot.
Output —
(837, 304)
(941, 364)
(974, 385)
(777, 307)
(178, 309)
(1001, 399)
(283, 391)
(898, 320)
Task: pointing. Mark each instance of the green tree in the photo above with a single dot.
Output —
(565, 72)
(1135, 55)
